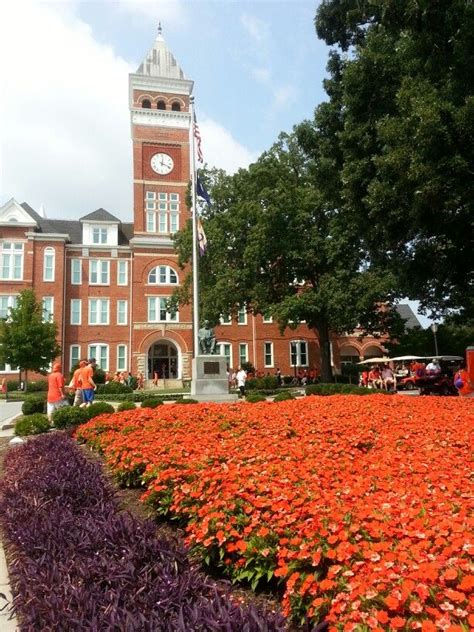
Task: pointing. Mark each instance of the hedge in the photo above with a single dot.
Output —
(34, 404)
(341, 389)
(31, 425)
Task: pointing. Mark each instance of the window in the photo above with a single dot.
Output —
(176, 106)
(101, 355)
(146, 103)
(76, 309)
(122, 312)
(163, 275)
(48, 311)
(225, 320)
(157, 310)
(121, 357)
(48, 264)
(298, 353)
(122, 272)
(268, 354)
(267, 319)
(162, 212)
(76, 272)
(161, 105)
(225, 349)
(98, 311)
(99, 235)
(11, 268)
(74, 355)
(7, 303)
(243, 353)
(99, 272)
(242, 316)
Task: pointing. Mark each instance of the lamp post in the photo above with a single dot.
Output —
(434, 329)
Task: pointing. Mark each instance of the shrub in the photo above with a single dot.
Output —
(151, 402)
(69, 416)
(341, 389)
(268, 382)
(34, 404)
(98, 408)
(280, 397)
(31, 425)
(126, 405)
(253, 398)
(114, 387)
(40, 385)
(188, 400)
(132, 382)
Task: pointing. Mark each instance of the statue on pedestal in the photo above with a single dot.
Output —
(207, 340)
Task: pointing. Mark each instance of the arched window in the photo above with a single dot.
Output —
(349, 355)
(176, 106)
(163, 275)
(146, 103)
(161, 105)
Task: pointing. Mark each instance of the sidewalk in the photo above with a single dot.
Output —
(8, 412)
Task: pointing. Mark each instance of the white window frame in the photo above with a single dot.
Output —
(242, 313)
(99, 311)
(265, 354)
(298, 353)
(75, 301)
(125, 357)
(12, 252)
(162, 211)
(220, 349)
(49, 255)
(100, 232)
(154, 306)
(225, 320)
(11, 302)
(76, 269)
(122, 275)
(243, 345)
(46, 310)
(123, 312)
(267, 319)
(95, 350)
(72, 360)
(157, 273)
(102, 266)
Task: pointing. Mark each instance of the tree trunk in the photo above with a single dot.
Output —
(325, 351)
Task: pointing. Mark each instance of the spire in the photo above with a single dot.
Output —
(160, 62)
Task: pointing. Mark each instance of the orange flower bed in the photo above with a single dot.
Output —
(360, 507)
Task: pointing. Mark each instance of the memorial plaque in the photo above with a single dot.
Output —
(211, 368)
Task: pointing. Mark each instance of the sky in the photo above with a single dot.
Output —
(65, 143)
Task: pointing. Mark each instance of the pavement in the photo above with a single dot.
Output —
(8, 412)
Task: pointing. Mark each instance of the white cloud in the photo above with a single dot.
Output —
(258, 30)
(165, 11)
(65, 125)
(220, 149)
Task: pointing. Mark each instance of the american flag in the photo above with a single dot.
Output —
(197, 136)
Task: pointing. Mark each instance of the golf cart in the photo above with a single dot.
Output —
(440, 384)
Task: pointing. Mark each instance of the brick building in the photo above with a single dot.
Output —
(106, 282)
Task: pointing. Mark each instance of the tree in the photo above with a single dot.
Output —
(26, 341)
(278, 248)
(406, 138)
(452, 338)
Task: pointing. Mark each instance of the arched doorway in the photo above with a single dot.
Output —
(164, 358)
(373, 352)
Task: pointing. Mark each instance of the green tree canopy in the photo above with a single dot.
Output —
(26, 341)
(278, 248)
(401, 122)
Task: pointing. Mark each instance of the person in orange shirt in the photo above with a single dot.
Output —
(88, 385)
(56, 397)
(463, 383)
(75, 384)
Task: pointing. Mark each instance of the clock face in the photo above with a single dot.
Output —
(162, 164)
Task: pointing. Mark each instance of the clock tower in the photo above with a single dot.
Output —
(159, 96)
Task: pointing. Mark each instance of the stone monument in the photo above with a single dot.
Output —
(209, 383)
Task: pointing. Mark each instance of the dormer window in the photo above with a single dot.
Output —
(99, 235)
(161, 105)
(176, 106)
(146, 103)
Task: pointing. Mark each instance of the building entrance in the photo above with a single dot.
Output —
(163, 361)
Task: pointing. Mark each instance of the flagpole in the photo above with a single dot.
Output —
(195, 240)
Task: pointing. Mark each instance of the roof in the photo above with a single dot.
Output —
(160, 61)
(408, 315)
(100, 215)
(73, 228)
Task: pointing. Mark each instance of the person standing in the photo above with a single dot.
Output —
(75, 384)
(463, 383)
(56, 397)
(88, 385)
(241, 379)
